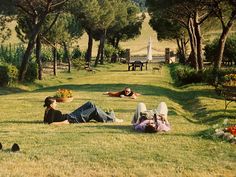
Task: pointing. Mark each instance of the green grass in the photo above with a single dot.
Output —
(114, 149)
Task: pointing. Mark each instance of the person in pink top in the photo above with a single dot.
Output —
(151, 121)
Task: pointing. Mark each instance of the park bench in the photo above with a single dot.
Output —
(229, 93)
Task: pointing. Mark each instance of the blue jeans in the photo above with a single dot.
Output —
(90, 111)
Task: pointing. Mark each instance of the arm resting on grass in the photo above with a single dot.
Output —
(60, 123)
(114, 94)
(134, 96)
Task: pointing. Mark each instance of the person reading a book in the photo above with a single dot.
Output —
(151, 121)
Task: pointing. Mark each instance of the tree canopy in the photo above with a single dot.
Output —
(168, 17)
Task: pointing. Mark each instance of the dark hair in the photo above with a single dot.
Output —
(48, 101)
(150, 129)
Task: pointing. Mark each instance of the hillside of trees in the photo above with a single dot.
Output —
(58, 24)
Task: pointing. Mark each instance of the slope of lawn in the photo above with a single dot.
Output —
(114, 149)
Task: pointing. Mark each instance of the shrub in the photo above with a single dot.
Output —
(230, 79)
(76, 53)
(209, 76)
(214, 77)
(229, 52)
(109, 50)
(12, 53)
(8, 74)
(181, 57)
(32, 72)
(78, 64)
(46, 54)
(186, 75)
(183, 74)
(210, 50)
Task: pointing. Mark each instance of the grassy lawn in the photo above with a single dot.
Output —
(114, 149)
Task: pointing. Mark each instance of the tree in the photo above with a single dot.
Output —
(106, 18)
(225, 11)
(61, 34)
(168, 29)
(88, 17)
(190, 15)
(95, 16)
(36, 12)
(127, 24)
(24, 28)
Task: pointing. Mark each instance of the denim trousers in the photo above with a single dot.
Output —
(90, 111)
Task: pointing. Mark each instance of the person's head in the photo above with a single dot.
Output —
(127, 91)
(150, 128)
(50, 102)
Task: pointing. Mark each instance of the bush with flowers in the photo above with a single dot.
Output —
(230, 80)
(64, 93)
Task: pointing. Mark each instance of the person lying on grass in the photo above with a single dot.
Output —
(84, 113)
(127, 92)
(151, 121)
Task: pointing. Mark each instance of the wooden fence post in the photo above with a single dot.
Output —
(127, 55)
(167, 55)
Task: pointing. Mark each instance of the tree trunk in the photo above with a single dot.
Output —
(90, 47)
(184, 46)
(38, 57)
(221, 45)
(181, 50)
(26, 56)
(198, 42)
(192, 37)
(113, 41)
(54, 53)
(58, 57)
(98, 53)
(32, 40)
(66, 56)
(102, 47)
(117, 42)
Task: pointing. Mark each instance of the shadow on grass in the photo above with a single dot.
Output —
(188, 99)
(129, 129)
(21, 122)
(149, 90)
(8, 90)
(217, 118)
(123, 128)
(207, 134)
